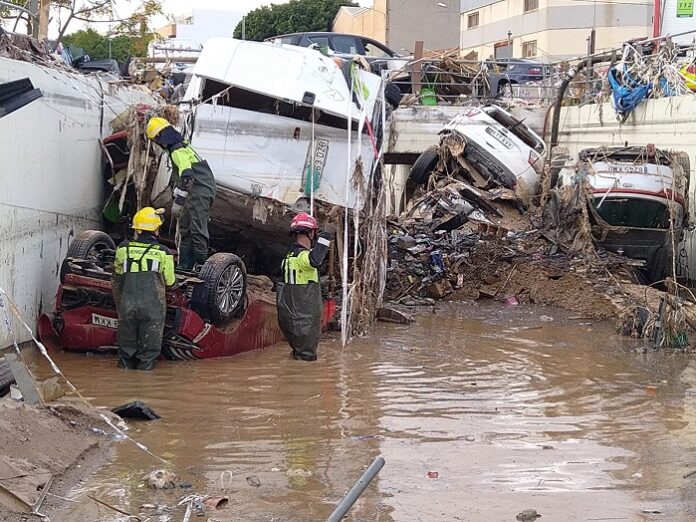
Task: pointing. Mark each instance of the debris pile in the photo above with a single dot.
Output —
(461, 243)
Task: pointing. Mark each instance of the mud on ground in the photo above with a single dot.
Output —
(58, 445)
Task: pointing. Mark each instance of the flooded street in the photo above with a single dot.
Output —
(510, 410)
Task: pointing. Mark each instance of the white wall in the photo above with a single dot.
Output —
(673, 25)
(209, 24)
(52, 186)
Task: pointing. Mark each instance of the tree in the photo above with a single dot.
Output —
(94, 11)
(97, 45)
(294, 17)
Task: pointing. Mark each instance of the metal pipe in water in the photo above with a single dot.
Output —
(360, 486)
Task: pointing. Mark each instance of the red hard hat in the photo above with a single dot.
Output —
(303, 222)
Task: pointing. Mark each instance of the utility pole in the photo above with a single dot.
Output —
(44, 14)
(34, 8)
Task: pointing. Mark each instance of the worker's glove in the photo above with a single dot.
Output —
(179, 201)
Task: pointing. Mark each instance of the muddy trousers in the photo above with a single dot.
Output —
(193, 229)
(299, 316)
(140, 329)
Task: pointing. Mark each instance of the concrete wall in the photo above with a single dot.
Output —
(671, 24)
(667, 122)
(371, 23)
(411, 20)
(399, 23)
(52, 187)
(560, 27)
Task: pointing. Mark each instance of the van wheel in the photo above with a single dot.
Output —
(393, 95)
(425, 165)
(225, 277)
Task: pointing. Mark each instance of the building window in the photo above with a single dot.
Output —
(472, 21)
(531, 5)
(529, 49)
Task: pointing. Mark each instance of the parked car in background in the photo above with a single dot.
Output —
(379, 56)
(504, 74)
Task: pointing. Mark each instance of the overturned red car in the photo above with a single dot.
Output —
(217, 311)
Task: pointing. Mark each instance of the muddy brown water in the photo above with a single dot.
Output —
(511, 412)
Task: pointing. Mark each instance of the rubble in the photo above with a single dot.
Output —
(458, 242)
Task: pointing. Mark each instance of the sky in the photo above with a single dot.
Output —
(177, 8)
(180, 7)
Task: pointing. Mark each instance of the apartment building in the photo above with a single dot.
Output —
(400, 23)
(549, 30)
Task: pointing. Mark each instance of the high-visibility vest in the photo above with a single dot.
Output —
(140, 256)
(297, 269)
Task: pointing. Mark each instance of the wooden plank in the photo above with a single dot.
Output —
(26, 383)
(417, 67)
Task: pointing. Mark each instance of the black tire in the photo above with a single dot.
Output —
(225, 277)
(424, 165)
(6, 377)
(505, 90)
(393, 95)
(90, 243)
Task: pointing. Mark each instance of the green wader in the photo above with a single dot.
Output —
(194, 175)
(299, 316)
(299, 300)
(141, 268)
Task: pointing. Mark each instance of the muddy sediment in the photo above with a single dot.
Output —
(52, 447)
(480, 411)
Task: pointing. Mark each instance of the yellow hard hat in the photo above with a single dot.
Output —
(148, 219)
(155, 126)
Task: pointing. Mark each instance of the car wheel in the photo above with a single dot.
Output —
(225, 277)
(393, 95)
(505, 90)
(425, 165)
(89, 244)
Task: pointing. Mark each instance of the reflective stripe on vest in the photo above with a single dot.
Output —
(135, 262)
(297, 269)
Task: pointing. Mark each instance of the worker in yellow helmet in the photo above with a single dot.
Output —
(194, 191)
(142, 269)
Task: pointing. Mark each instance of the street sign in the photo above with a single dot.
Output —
(685, 8)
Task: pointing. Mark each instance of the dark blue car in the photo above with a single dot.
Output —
(504, 73)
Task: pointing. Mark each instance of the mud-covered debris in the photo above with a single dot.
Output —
(390, 314)
(254, 481)
(528, 515)
(136, 410)
(217, 502)
(161, 479)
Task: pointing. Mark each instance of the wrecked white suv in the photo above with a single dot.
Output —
(500, 147)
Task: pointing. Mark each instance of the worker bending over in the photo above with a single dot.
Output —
(142, 268)
(193, 194)
(299, 294)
